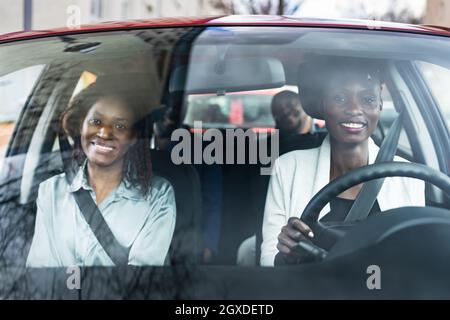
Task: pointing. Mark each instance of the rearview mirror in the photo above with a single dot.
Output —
(229, 75)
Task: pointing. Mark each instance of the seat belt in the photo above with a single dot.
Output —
(368, 195)
(91, 213)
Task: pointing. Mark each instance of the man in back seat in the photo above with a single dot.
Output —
(296, 132)
(296, 128)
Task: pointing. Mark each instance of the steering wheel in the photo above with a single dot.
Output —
(326, 235)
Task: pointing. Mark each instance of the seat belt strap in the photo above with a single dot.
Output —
(369, 192)
(90, 211)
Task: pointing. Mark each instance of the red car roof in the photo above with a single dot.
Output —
(232, 20)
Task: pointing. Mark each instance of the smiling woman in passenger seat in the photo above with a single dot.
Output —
(347, 95)
(111, 146)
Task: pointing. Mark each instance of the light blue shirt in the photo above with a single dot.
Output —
(62, 237)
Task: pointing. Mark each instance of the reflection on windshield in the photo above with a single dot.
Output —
(283, 112)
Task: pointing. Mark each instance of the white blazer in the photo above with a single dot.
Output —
(298, 175)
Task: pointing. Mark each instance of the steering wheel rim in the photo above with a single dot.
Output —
(311, 212)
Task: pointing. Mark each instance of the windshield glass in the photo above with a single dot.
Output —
(437, 78)
(197, 145)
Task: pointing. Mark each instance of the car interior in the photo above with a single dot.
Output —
(197, 61)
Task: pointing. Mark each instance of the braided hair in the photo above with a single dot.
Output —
(137, 167)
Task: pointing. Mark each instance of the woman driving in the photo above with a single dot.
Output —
(346, 93)
(111, 146)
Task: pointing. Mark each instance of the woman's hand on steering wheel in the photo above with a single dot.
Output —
(295, 231)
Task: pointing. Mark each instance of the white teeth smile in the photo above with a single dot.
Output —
(353, 125)
(103, 148)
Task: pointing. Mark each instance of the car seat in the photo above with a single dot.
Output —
(185, 246)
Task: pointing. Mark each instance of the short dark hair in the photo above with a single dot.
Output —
(285, 98)
(314, 77)
(137, 167)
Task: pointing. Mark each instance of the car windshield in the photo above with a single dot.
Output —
(198, 144)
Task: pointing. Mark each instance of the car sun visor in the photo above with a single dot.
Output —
(228, 75)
